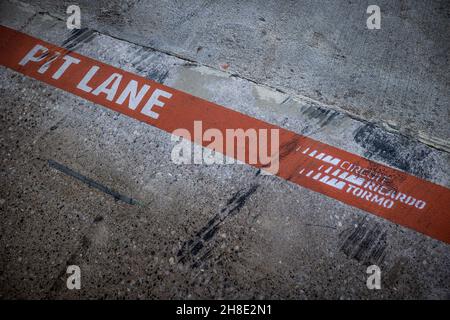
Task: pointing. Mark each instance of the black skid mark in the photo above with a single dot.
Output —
(143, 60)
(367, 243)
(78, 37)
(191, 249)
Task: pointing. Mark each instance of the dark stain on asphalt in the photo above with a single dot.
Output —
(397, 151)
(98, 219)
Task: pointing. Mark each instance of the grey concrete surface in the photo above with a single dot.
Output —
(277, 240)
(397, 77)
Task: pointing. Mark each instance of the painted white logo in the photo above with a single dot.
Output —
(73, 21)
(74, 280)
(374, 280)
(374, 21)
(109, 88)
(367, 184)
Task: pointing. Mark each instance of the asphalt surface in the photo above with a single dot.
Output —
(69, 166)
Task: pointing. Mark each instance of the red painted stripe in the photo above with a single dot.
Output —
(417, 204)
